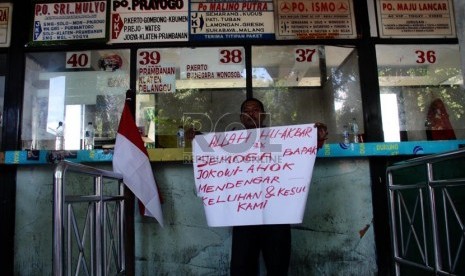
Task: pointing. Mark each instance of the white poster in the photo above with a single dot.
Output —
(253, 177)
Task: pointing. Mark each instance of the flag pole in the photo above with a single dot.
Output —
(129, 207)
(131, 101)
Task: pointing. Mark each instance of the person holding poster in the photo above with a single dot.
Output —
(251, 237)
(273, 241)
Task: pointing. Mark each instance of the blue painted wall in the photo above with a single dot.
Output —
(335, 238)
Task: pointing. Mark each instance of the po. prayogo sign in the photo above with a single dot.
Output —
(257, 176)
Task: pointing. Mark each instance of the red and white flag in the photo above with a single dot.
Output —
(130, 158)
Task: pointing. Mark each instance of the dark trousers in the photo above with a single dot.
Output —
(274, 241)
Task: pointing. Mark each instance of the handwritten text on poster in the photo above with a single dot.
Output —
(259, 176)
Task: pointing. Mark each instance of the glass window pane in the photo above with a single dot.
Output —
(2, 92)
(73, 88)
(306, 84)
(200, 87)
(422, 97)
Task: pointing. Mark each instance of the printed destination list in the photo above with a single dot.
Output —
(70, 21)
(258, 176)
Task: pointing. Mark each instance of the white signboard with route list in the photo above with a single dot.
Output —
(64, 21)
(156, 70)
(213, 63)
(149, 21)
(210, 19)
(416, 18)
(159, 70)
(257, 176)
(315, 19)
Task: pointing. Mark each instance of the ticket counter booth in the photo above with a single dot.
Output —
(375, 93)
(297, 83)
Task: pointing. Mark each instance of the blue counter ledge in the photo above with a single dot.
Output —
(31, 157)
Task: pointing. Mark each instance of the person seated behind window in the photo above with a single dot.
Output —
(438, 126)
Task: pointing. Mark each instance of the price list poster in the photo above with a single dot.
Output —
(309, 19)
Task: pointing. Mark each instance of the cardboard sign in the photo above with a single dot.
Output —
(257, 176)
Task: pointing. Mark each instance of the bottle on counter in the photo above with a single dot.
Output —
(180, 137)
(355, 130)
(345, 134)
(60, 137)
(89, 136)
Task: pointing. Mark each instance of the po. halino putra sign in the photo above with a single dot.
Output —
(256, 176)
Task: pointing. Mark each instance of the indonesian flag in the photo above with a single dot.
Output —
(131, 159)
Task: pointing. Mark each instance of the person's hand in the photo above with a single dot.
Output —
(322, 132)
(189, 134)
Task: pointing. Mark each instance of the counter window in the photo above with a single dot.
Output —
(188, 87)
(421, 90)
(2, 92)
(304, 84)
(72, 89)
